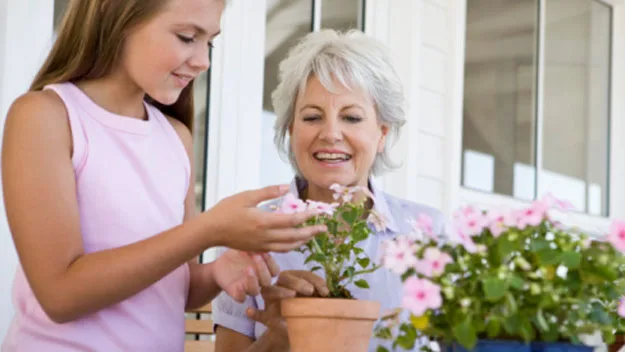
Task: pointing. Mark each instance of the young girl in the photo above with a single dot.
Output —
(97, 179)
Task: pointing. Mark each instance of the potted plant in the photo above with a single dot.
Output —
(337, 322)
(507, 281)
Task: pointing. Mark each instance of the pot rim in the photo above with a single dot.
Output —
(305, 307)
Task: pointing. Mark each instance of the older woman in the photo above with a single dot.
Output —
(340, 102)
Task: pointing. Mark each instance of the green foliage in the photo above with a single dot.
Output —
(541, 283)
(336, 251)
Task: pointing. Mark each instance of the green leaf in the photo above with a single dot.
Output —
(541, 322)
(571, 260)
(494, 289)
(512, 324)
(315, 268)
(465, 334)
(493, 327)
(384, 333)
(359, 234)
(358, 250)
(517, 282)
(362, 283)
(407, 337)
(539, 244)
(526, 330)
(598, 314)
(505, 246)
(350, 216)
(548, 256)
(318, 257)
(363, 262)
(381, 349)
(349, 272)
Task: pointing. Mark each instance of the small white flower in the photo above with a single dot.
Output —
(465, 302)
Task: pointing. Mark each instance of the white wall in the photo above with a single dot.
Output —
(25, 32)
(420, 35)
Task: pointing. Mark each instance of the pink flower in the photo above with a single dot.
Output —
(464, 212)
(560, 204)
(457, 236)
(434, 262)
(421, 295)
(621, 308)
(398, 256)
(472, 224)
(424, 223)
(346, 193)
(533, 215)
(377, 220)
(321, 207)
(291, 204)
(500, 221)
(617, 235)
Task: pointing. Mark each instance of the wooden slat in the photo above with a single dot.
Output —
(199, 346)
(193, 326)
(204, 309)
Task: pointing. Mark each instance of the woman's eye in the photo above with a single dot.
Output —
(311, 118)
(185, 39)
(353, 119)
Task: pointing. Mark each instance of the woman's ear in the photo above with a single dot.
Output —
(382, 142)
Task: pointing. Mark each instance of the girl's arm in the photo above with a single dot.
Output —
(42, 211)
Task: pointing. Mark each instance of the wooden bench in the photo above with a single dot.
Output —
(199, 329)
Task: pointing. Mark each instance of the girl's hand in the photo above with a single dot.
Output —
(238, 223)
(242, 274)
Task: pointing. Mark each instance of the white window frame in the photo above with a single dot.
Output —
(616, 196)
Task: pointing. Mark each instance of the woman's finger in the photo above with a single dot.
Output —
(276, 293)
(295, 283)
(317, 281)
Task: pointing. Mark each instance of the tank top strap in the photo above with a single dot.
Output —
(80, 142)
(173, 137)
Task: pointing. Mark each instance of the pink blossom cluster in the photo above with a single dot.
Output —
(420, 294)
(292, 204)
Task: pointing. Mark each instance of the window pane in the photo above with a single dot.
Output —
(287, 22)
(499, 96)
(200, 100)
(576, 103)
(341, 15)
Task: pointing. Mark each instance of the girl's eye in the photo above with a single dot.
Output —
(185, 39)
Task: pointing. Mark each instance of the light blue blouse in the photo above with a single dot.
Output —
(385, 286)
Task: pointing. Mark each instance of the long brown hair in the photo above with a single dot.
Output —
(90, 41)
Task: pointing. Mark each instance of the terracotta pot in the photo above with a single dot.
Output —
(327, 324)
(618, 343)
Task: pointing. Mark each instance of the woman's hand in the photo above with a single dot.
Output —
(290, 283)
(241, 274)
(236, 222)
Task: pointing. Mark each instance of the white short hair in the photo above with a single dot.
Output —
(354, 59)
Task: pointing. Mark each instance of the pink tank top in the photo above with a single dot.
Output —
(131, 181)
